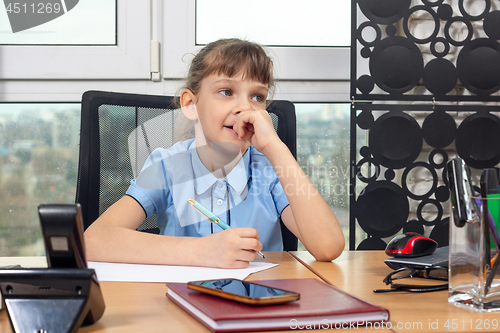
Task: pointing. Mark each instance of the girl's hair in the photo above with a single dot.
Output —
(229, 57)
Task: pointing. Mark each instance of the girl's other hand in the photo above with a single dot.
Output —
(256, 127)
(231, 248)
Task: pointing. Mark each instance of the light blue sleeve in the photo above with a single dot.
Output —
(151, 187)
(277, 192)
(279, 196)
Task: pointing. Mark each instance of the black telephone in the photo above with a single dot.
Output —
(67, 287)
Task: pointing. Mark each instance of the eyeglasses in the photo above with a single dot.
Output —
(434, 273)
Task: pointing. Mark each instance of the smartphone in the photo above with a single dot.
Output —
(244, 291)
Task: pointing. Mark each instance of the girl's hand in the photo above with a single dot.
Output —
(256, 127)
(231, 248)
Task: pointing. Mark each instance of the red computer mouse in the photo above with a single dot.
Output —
(410, 245)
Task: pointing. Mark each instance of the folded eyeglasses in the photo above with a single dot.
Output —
(434, 273)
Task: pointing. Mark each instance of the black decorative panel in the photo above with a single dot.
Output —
(425, 50)
(398, 158)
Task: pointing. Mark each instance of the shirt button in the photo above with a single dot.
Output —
(219, 202)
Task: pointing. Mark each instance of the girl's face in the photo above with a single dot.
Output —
(219, 102)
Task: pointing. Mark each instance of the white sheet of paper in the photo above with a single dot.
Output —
(164, 273)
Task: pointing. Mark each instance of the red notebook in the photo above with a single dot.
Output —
(321, 306)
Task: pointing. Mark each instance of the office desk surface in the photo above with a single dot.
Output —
(359, 272)
(143, 307)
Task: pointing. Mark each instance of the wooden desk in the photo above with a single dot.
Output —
(143, 307)
(359, 272)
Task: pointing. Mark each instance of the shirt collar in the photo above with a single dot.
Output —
(237, 178)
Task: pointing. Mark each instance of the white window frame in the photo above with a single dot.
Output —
(305, 73)
(63, 73)
(129, 59)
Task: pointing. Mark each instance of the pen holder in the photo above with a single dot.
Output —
(474, 279)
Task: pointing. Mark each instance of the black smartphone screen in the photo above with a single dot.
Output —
(242, 288)
(244, 292)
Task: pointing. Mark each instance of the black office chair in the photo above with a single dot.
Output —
(105, 165)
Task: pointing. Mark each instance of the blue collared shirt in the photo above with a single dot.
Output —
(252, 191)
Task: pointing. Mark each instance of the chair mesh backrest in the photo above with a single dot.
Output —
(125, 144)
(115, 124)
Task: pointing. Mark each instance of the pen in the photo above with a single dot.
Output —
(492, 192)
(490, 271)
(489, 190)
(212, 217)
(489, 186)
(493, 230)
(491, 274)
(485, 190)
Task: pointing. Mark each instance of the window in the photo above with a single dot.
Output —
(276, 22)
(128, 59)
(293, 62)
(39, 164)
(323, 153)
(58, 23)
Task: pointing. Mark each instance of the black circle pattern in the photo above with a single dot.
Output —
(396, 64)
(478, 66)
(393, 150)
(382, 209)
(439, 129)
(491, 25)
(395, 140)
(477, 140)
(384, 11)
(405, 181)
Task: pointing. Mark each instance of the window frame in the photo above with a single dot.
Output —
(305, 74)
(295, 63)
(129, 59)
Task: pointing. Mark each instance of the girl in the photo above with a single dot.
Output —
(236, 166)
